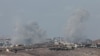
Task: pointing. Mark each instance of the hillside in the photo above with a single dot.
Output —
(47, 52)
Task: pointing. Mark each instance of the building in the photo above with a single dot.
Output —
(5, 42)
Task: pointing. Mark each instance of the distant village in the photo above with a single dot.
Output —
(51, 44)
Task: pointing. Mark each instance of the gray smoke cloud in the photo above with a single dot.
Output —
(29, 33)
(76, 25)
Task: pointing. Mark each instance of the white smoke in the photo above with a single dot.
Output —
(76, 25)
(28, 34)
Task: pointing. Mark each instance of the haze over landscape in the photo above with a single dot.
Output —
(49, 28)
(51, 15)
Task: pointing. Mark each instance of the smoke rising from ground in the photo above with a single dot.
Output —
(76, 26)
(29, 33)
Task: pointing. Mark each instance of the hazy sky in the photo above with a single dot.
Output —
(51, 15)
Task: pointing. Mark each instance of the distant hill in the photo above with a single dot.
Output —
(96, 41)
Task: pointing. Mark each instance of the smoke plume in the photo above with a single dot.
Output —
(29, 34)
(76, 26)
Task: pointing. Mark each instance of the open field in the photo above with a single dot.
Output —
(47, 52)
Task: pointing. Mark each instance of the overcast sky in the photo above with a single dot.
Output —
(51, 15)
